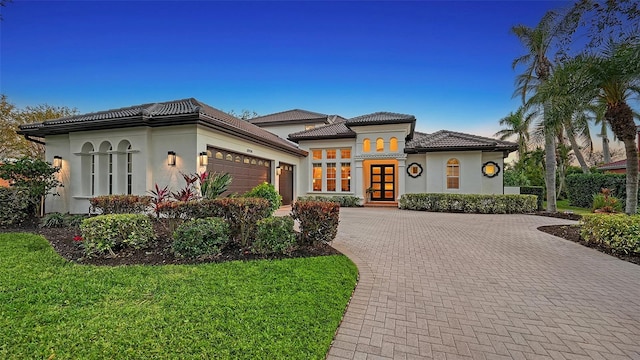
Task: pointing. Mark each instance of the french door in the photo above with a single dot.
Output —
(383, 183)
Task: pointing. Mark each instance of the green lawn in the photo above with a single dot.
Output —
(258, 309)
(563, 205)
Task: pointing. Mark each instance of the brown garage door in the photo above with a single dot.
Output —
(286, 183)
(247, 171)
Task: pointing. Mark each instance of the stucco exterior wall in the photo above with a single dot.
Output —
(149, 147)
(419, 184)
(493, 185)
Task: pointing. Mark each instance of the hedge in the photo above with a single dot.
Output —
(343, 200)
(582, 187)
(470, 203)
(618, 232)
(534, 190)
(120, 204)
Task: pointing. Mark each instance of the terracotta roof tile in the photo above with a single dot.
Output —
(615, 165)
(157, 114)
(336, 130)
(450, 140)
(295, 115)
(381, 118)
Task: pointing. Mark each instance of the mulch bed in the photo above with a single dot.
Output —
(572, 233)
(158, 253)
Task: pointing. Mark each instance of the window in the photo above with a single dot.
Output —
(110, 170)
(219, 155)
(379, 145)
(366, 145)
(317, 177)
(331, 176)
(93, 174)
(345, 174)
(453, 174)
(309, 127)
(393, 144)
(328, 172)
(129, 169)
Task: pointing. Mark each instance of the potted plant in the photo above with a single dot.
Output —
(369, 192)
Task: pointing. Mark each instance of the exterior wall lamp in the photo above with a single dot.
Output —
(204, 158)
(171, 158)
(57, 161)
(278, 170)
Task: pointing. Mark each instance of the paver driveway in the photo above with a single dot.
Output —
(451, 286)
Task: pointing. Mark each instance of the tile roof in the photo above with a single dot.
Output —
(289, 116)
(185, 111)
(620, 164)
(381, 118)
(338, 130)
(445, 140)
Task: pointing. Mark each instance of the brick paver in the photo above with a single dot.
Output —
(469, 286)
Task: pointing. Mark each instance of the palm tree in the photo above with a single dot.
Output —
(598, 109)
(537, 42)
(517, 124)
(616, 74)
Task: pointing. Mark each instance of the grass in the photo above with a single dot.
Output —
(563, 205)
(51, 308)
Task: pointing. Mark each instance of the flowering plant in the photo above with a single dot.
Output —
(77, 238)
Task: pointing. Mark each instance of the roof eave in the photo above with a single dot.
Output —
(322, 137)
(289, 122)
(418, 150)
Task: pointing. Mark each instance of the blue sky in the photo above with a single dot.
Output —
(447, 63)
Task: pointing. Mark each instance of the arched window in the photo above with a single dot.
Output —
(379, 145)
(453, 174)
(110, 170)
(366, 145)
(129, 170)
(393, 144)
(88, 165)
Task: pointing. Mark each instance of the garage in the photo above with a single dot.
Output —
(247, 171)
(285, 183)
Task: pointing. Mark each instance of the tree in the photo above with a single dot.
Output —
(616, 75)
(244, 114)
(517, 124)
(3, 3)
(36, 176)
(13, 145)
(537, 42)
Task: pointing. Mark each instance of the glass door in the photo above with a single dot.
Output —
(383, 183)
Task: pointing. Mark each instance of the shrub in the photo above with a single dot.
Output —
(266, 191)
(274, 235)
(618, 232)
(214, 184)
(106, 233)
(16, 206)
(53, 220)
(469, 203)
(201, 237)
(605, 203)
(242, 215)
(75, 220)
(36, 176)
(318, 220)
(582, 187)
(534, 190)
(343, 200)
(120, 204)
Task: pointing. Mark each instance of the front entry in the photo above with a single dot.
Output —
(383, 183)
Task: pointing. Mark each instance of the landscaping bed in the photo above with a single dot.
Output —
(572, 233)
(159, 251)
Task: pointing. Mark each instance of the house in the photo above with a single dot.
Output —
(376, 157)
(620, 166)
